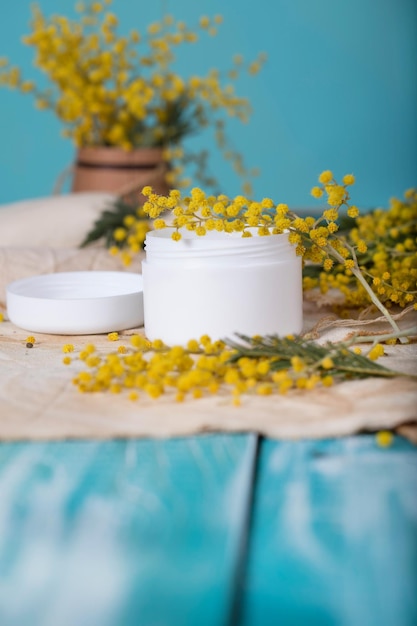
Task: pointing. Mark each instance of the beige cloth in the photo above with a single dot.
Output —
(39, 402)
(58, 221)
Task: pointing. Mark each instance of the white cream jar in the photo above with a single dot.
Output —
(220, 284)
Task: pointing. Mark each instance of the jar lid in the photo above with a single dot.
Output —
(76, 303)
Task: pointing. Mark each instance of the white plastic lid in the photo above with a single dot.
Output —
(76, 303)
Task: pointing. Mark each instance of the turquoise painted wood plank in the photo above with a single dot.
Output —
(334, 535)
(122, 533)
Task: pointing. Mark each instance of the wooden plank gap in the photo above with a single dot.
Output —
(245, 534)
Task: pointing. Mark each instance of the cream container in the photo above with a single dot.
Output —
(220, 284)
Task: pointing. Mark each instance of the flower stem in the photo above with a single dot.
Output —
(376, 301)
(358, 274)
(383, 337)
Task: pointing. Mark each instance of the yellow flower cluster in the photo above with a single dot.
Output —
(315, 238)
(120, 90)
(385, 246)
(205, 367)
(130, 237)
(200, 213)
(376, 351)
(384, 438)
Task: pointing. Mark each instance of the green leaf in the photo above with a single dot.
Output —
(280, 350)
(108, 221)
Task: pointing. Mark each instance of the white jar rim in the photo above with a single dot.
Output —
(217, 246)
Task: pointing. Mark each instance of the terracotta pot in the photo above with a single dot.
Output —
(118, 171)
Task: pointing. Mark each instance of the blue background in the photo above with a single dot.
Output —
(339, 91)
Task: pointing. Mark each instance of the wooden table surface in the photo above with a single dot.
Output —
(208, 531)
